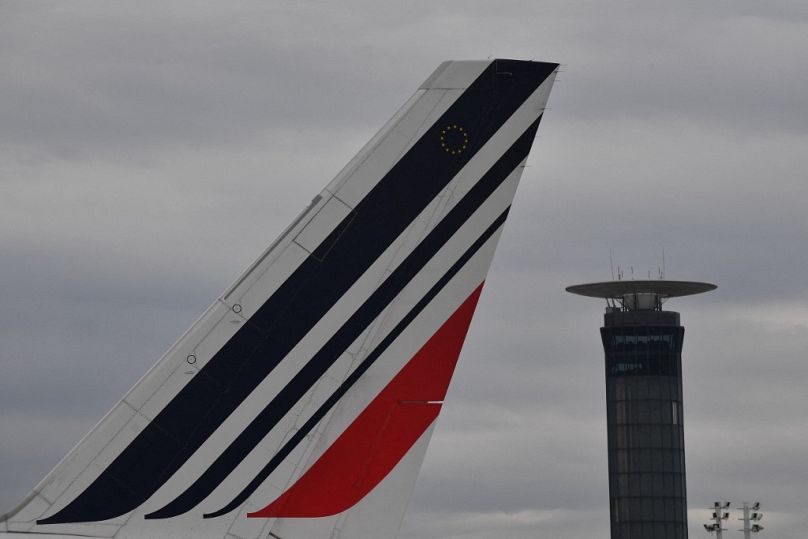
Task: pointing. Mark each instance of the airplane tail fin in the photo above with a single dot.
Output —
(301, 403)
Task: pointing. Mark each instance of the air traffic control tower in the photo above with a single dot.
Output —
(643, 346)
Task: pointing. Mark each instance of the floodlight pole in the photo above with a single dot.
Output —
(751, 514)
(719, 514)
(747, 527)
(717, 518)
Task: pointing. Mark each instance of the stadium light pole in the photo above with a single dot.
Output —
(720, 514)
(751, 517)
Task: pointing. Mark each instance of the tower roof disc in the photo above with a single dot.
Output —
(619, 289)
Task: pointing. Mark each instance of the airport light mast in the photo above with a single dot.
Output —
(643, 349)
(751, 517)
(720, 514)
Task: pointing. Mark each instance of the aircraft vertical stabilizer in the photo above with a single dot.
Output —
(301, 403)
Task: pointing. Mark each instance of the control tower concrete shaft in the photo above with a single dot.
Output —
(643, 349)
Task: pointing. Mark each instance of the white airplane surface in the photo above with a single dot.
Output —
(301, 403)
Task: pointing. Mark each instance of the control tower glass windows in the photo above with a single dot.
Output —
(642, 351)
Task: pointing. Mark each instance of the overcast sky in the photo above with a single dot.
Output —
(150, 151)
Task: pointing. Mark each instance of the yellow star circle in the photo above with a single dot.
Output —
(454, 139)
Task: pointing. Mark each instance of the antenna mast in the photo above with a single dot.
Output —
(611, 263)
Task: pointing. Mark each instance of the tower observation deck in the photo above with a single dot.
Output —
(643, 349)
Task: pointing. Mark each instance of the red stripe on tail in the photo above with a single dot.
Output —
(382, 434)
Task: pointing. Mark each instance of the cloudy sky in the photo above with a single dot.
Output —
(148, 152)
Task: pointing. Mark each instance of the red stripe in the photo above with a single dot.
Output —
(383, 433)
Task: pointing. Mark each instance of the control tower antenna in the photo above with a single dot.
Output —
(643, 348)
(611, 263)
